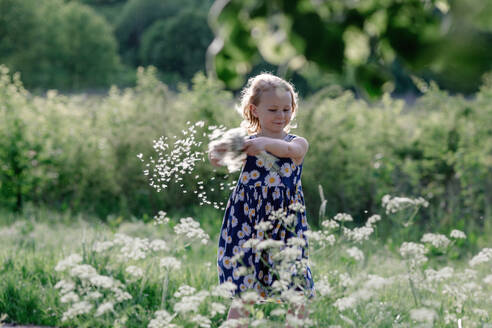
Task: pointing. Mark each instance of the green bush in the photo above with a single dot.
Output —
(80, 153)
(54, 44)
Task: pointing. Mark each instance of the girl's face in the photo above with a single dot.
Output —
(274, 111)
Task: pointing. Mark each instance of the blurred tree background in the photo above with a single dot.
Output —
(71, 150)
(371, 46)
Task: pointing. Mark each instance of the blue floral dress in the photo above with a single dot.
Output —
(258, 192)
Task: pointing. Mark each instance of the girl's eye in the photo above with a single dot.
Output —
(272, 110)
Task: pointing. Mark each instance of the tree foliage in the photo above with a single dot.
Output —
(57, 45)
(177, 44)
(367, 42)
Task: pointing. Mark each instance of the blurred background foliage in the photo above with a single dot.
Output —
(370, 47)
(77, 152)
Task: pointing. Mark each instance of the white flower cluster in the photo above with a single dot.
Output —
(191, 230)
(397, 204)
(457, 234)
(356, 253)
(358, 235)
(435, 239)
(485, 255)
(84, 295)
(161, 218)
(414, 253)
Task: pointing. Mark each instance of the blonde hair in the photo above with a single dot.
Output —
(251, 94)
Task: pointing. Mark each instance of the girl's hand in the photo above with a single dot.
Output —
(216, 153)
(254, 146)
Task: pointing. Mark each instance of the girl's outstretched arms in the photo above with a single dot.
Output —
(295, 149)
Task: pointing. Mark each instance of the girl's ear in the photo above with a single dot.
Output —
(252, 109)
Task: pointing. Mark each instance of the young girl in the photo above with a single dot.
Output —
(268, 103)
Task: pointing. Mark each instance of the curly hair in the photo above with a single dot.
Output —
(251, 94)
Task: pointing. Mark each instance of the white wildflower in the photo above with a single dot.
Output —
(134, 271)
(343, 217)
(190, 303)
(414, 252)
(158, 245)
(217, 308)
(264, 226)
(344, 303)
(184, 290)
(396, 204)
(224, 290)
(323, 287)
(356, 253)
(358, 234)
(488, 279)
(269, 243)
(296, 241)
(457, 234)
(65, 286)
(162, 320)
(102, 246)
(485, 255)
(440, 275)
(373, 219)
(297, 207)
(69, 262)
(376, 282)
(191, 229)
(103, 308)
(435, 239)
(92, 296)
(121, 295)
(102, 281)
(161, 218)
(423, 315)
(330, 224)
(278, 312)
(83, 271)
(201, 321)
(69, 297)
(170, 263)
(250, 297)
(78, 308)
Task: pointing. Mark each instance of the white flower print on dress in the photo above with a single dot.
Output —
(272, 179)
(244, 177)
(234, 221)
(227, 262)
(276, 193)
(254, 174)
(220, 253)
(286, 170)
(246, 209)
(260, 162)
(246, 228)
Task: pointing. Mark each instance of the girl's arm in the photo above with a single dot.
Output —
(218, 149)
(295, 149)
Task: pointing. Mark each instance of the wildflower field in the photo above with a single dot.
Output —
(137, 274)
(398, 200)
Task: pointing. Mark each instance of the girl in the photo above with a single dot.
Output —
(268, 104)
